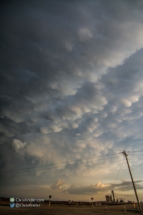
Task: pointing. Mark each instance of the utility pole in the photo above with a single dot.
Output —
(139, 206)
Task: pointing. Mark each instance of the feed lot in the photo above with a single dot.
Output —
(69, 210)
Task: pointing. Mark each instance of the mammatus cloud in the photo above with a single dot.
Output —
(84, 34)
(18, 145)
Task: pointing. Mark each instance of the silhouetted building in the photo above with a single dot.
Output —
(107, 198)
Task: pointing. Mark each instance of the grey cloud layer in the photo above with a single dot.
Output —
(71, 82)
(95, 189)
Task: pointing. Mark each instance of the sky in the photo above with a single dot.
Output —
(71, 98)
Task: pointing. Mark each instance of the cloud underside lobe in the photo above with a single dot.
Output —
(71, 85)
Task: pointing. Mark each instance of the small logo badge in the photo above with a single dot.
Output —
(12, 199)
(12, 205)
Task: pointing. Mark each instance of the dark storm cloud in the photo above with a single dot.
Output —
(70, 82)
(127, 185)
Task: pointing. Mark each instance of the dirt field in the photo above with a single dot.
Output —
(69, 210)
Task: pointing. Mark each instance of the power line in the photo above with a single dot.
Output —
(117, 174)
(15, 170)
(134, 151)
(52, 165)
(55, 169)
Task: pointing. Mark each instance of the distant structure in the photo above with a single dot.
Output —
(113, 195)
(122, 201)
(111, 199)
(108, 198)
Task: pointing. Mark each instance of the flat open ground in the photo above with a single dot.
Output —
(69, 210)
